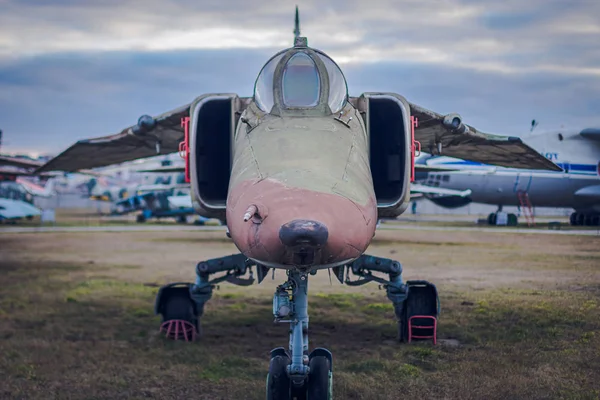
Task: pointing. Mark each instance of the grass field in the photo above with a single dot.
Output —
(520, 320)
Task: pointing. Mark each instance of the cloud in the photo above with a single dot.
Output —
(468, 34)
(72, 69)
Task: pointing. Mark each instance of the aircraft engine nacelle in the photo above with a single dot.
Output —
(454, 122)
(388, 123)
(212, 124)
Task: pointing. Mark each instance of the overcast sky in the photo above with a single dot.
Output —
(74, 69)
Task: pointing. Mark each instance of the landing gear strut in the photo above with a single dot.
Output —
(295, 373)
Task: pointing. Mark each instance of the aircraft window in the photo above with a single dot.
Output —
(446, 178)
(338, 89)
(180, 178)
(560, 137)
(301, 84)
(263, 89)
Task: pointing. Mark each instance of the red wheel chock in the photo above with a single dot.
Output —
(432, 327)
(178, 329)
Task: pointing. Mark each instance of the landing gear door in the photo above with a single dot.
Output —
(391, 149)
(213, 120)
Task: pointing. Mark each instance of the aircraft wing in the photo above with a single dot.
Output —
(431, 168)
(151, 136)
(165, 169)
(591, 133)
(459, 140)
(10, 209)
(423, 189)
(12, 173)
(18, 162)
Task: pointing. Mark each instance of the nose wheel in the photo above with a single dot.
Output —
(320, 379)
(295, 374)
(317, 385)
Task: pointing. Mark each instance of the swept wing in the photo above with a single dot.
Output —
(149, 137)
(436, 132)
(456, 139)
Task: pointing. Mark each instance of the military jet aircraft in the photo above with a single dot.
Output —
(300, 172)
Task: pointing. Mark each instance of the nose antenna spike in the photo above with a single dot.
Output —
(296, 25)
(299, 41)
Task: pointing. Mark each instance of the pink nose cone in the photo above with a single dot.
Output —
(275, 224)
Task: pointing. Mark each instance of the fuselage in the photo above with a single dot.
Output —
(306, 208)
(301, 192)
(578, 186)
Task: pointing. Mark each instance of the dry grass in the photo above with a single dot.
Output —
(76, 320)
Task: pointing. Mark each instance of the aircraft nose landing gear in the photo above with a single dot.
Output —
(297, 374)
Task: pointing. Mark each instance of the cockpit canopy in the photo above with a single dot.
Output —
(300, 78)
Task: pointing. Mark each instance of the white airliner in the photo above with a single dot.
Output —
(577, 151)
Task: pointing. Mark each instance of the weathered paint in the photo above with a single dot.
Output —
(309, 168)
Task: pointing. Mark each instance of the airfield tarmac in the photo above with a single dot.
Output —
(520, 318)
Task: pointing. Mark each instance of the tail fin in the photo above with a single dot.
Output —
(37, 190)
(297, 25)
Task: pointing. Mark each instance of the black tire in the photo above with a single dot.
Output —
(175, 304)
(278, 381)
(319, 379)
(140, 218)
(178, 306)
(573, 219)
(589, 220)
(420, 301)
(513, 220)
(403, 327)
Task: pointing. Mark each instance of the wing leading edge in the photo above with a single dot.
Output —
(151, 136)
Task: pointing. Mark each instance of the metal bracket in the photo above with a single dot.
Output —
(363, 266)
(366, 263)
(236, 265)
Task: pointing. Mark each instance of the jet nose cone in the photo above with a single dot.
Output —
(301, 232)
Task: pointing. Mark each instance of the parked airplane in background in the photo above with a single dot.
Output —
(164, 199)
(301, 171)
(117, 183)
(16, 193)
(576, 151)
